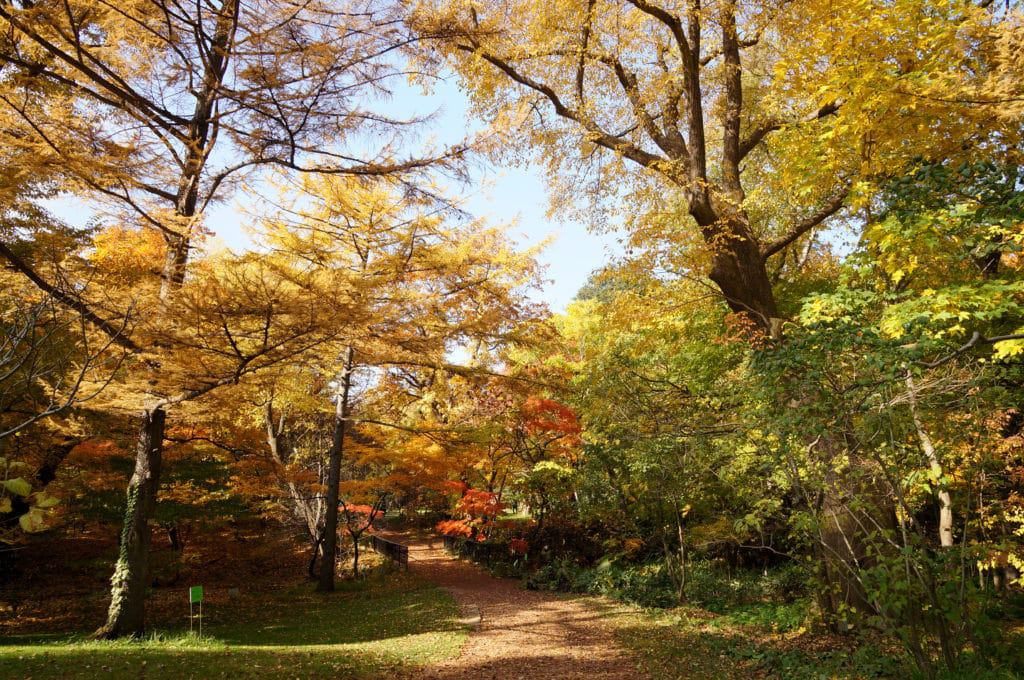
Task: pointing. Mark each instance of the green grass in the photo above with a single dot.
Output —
(370, 629)
(691, 643)
(756, 640)
(514, 517)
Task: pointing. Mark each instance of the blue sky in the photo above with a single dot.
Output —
(502, 195)
(510, 195)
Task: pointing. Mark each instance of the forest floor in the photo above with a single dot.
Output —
(517, 633)
(445, 619)
(261, 618)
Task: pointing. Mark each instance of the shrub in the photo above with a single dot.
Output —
(649, 585)
(712, 589)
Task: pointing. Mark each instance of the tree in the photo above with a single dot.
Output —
(760, 120)
(425, 282)
(342, 411)
(651, 83)
(188, 101)
(297, 432)
(476, 509)
(358, 520)
(886, 362)
(664, 459)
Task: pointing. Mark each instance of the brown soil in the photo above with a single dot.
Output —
(518, 634)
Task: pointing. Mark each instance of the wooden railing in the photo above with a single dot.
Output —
(393, 551)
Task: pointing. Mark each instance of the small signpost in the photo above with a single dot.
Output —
(195, 596)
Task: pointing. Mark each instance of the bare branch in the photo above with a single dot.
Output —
(830, 208)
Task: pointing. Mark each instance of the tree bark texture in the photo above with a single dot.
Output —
(126, 616)
(328, 564)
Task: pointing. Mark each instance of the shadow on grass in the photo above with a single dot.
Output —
(683, 645)
(676, 648)
(376, 629)
(344, 618)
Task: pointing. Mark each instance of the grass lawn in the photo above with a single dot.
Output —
(753, 641)
(370, 628)
(688, 644)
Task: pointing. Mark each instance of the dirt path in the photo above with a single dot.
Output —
(519, 634)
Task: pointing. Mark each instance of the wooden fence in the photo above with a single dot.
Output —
(393, 551)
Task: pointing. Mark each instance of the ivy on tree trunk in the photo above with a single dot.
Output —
(126, 616)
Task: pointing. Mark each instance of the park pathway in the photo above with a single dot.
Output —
(518, 634)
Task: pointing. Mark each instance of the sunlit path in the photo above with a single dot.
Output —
(520, 633)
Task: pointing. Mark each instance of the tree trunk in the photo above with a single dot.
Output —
(174, 536)
(330, 538)
(682, 556)
(944, 498)
(825, 592)
(330, 545)
(738, 268)
(355, 556)
(126, 616)
(175, 263)
(311, 567)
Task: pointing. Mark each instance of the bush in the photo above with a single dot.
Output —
(772, 616)
(710, 588)
(649, 585)
(558, 574)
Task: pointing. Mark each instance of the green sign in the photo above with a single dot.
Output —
(195, 594)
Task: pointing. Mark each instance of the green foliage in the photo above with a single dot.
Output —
(718, 591)
(18, 486)
(863, 662)
(893, 388)
(22, 511)
(742, 643)
(923, 599)
(873, 400)
(781, 590)
(644, 585)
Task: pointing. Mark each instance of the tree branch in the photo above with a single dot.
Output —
(976, 339)
(113, 332)
(758, 135)
(830, 208)
(597, 135)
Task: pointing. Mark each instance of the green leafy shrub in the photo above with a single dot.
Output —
(715, 590)
(649, 585)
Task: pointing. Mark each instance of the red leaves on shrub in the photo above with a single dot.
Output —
(482, 504)
(455, 527)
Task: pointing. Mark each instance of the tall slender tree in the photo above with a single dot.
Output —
(181, 103)
(426, 282)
